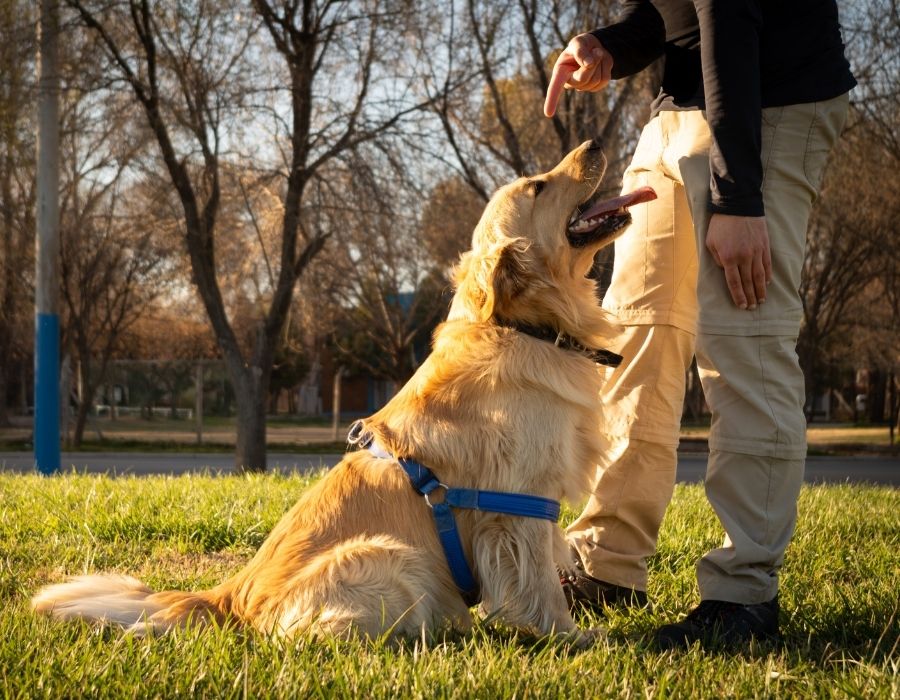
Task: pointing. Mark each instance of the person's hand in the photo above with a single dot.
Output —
(583, 65)
(740, 246)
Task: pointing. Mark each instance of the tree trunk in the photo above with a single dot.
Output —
(24, 384)
(65, 395)
(7, 312)
(876, 397)
(111, 397)
(250, 450)
(86, 389)
(894, 407)
(80, 422)
(8, 286)
(693, 395)
(198, 401)
(4, 387)
(812, 389)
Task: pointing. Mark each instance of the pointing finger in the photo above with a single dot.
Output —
(563, 69)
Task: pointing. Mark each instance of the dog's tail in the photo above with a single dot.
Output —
(126, 602)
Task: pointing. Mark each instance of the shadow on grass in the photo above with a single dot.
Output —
(845, 639)
(861, 634)
(848, 634)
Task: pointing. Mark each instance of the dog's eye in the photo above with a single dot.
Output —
(538, 186)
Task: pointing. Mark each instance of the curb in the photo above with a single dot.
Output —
(695, 445)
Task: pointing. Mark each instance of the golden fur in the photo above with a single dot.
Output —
(490, 408)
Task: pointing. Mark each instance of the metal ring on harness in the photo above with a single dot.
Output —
(355, 435)
(428, 495)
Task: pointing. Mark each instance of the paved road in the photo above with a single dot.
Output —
(860, 468)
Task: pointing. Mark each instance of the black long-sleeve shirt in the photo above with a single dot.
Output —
(732, 58)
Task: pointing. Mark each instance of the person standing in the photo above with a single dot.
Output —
(754, 96)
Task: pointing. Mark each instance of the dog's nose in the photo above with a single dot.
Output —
(594, 145)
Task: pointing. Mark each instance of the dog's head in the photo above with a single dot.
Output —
(536, 242)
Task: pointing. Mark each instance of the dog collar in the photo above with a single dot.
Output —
(563, 340)
(426, 484)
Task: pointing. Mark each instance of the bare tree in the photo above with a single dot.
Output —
(191, 70)
(872, 34)
(109, 275)
(110, 257)
(17, 43)
(849, 287)
(849, 264)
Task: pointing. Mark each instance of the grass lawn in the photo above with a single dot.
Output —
(839, 606)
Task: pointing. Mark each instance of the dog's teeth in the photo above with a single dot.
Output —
(579, 225)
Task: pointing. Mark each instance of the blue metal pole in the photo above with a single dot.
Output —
(46, 293)
(46, 394)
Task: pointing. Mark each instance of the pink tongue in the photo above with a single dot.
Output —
(639, 196)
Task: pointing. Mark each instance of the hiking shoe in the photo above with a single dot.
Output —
(584, 592)
(720, 622)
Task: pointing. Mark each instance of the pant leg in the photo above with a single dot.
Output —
(750, 373)
(653, 293)
(755, 387)
(617, 530)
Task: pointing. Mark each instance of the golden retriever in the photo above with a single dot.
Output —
(493, 407)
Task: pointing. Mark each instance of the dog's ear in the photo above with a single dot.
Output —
(489, 281)
(512, 275)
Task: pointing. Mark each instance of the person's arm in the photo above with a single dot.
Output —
(637, 39)
(738, 237)
(729, 50)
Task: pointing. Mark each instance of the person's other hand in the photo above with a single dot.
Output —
(583, 65)
(740, 246)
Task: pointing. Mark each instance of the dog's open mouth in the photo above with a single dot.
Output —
(594, 221)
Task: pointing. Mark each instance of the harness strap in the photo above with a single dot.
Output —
(424, 481)
(502, 502)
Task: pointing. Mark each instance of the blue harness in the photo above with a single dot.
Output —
(426, 483)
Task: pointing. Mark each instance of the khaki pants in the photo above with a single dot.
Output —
(747, 359)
